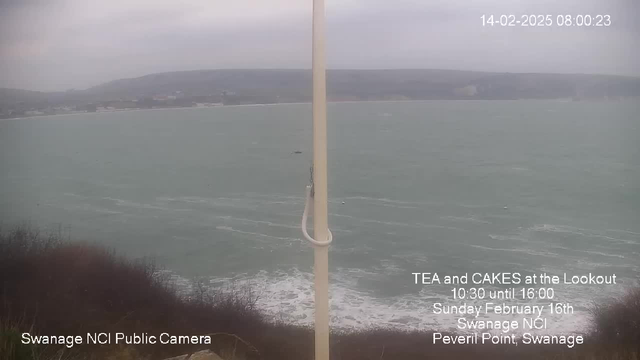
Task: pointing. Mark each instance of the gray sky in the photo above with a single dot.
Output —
(63, 44)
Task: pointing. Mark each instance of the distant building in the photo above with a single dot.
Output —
(147, 103)
(123, 104)
(468, 91)
(33, 112)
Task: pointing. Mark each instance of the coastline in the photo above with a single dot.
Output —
(308, 103)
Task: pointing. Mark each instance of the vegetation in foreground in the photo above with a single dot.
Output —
(51, 287)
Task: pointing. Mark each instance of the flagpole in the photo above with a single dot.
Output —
(320, 208)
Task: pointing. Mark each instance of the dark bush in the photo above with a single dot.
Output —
(617, 322)
(62, 288)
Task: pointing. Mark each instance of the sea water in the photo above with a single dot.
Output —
(452, 187)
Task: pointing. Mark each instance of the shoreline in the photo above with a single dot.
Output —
(309, 103)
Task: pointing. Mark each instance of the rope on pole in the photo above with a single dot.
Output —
(307, 204)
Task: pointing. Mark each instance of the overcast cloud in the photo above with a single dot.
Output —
(63, 44)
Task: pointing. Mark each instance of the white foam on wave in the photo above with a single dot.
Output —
(390, 267)
(431, 226)
(374, 221)
(415, 258)
(399, 206)
(508, 238)
(475, 206)
(92, 208)
(232, 219)
(624, 231)
(261, 222)
(526, 251)
(465, 219)
(128, 203)
(602, 254)
(556, 228)
(251, 233)
(360, 249)
(118, 202)
(249, 201)
(576, 231)
(386, 200)
(590, 265)
(395, 223)
(269, 195)
(213, 202)
(289, 297)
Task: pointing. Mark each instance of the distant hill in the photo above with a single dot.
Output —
(10, 96)
(375, 84)
(15, 97)
(268, 86)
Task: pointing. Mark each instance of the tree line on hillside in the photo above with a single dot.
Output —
(187, 88)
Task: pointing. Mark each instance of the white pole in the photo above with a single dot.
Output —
(320, 210)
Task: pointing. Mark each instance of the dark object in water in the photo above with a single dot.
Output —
(297, 152)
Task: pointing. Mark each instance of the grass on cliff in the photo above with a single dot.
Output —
(52, 287)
